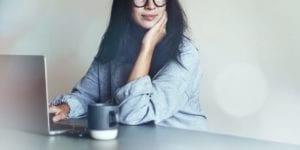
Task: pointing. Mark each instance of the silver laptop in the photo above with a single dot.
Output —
(24, 96)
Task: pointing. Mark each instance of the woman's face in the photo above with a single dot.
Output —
(148, 15)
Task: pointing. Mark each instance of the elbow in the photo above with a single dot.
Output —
(135, 116)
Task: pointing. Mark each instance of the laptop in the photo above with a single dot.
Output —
(24, 97)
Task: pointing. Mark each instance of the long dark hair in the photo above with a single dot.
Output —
(123, 36)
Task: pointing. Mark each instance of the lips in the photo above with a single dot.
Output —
(149, 17)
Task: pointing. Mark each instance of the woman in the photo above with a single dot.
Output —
(146, 65)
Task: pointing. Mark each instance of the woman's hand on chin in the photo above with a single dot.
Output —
(156, 33)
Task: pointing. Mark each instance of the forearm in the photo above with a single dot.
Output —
(142, 65)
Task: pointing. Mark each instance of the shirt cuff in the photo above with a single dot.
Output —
(76, 109)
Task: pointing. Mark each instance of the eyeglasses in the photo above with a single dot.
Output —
(143, 3)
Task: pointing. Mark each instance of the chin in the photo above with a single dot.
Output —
(147, 25)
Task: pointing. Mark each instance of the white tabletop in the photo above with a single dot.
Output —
(144, 137)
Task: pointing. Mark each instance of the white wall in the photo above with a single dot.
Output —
(249, 52)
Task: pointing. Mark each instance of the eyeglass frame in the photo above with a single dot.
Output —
(147, 2)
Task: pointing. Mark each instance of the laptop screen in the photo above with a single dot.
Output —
(23, 93)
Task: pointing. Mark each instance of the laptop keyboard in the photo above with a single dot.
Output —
(76, 127)
(57, 126)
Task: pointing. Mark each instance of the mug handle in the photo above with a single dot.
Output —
(113, 119)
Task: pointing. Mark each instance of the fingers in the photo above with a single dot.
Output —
(165, 17)
(54, 109)
(163, 21)
(59, 116)
(163, 26)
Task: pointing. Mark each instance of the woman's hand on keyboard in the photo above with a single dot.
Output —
(60, 112)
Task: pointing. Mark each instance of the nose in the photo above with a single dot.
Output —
(150, 5)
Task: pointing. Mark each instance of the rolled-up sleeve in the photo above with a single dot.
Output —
(144, 100)
(85, 92)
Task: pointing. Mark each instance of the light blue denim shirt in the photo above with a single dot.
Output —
(170, 98)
